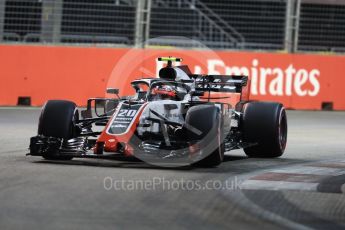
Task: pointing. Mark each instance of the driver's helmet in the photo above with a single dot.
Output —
(164, 92)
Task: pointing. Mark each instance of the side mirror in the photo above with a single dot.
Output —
(113, 91)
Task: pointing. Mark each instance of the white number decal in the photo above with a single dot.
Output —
(122, 112)
(127, 113)
(131, 113)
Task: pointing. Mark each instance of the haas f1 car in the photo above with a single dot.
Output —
(178, 118)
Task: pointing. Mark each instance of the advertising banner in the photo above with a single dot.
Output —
(299, 81)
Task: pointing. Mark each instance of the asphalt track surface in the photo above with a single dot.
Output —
(301, 190)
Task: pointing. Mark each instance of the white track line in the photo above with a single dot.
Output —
(20, 108)
(324, 171)
(278, 185)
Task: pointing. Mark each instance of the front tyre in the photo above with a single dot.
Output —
(264, 125)
(58, 119)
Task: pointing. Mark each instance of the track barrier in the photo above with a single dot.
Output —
(34, 74)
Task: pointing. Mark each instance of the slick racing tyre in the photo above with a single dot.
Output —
(264, 125)
(207, 119)
(58, 119)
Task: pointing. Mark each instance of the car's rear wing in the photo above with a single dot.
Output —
(221, 83)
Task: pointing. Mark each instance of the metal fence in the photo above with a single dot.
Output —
(291, 25)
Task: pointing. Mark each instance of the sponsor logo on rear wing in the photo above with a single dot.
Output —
(220, 83)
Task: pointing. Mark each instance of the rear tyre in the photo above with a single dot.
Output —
(207, 119)
(58, 119)
(265, 126)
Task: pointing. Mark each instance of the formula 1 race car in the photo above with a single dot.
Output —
(178, 118)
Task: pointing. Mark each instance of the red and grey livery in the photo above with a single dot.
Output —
(180, 118)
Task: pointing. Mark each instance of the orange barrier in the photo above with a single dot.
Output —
(300, 81)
